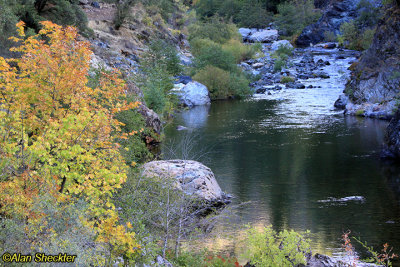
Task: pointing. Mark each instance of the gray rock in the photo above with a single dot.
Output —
(183, 79)
(95, 4)
(341, 102)
(284, 43)
(185, 60)
(151, 118)
(257, 65)
(263, 36)
(191, 177)
(321, 74)
(295, 85)
(192, 94)
(245, 32)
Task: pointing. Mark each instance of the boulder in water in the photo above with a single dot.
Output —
(192, 94)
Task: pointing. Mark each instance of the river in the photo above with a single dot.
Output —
(286, 156)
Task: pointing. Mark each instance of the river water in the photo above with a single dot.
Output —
(285, 156)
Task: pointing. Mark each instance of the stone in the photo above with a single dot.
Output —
(185, 60)
(183, 79)
(263, 36)
(246, 32)
(295, 85)
(95, 4)
(321, 74)
(341, 102)
(257, 65)
(192, 94)
(192, 177)
(282, 43)
(151, 118)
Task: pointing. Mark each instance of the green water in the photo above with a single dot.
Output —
(285, 155)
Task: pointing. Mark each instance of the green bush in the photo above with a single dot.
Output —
(330, 36)
(254, 15)
(287, 79)
(215, 30)
(158, 65)
(294, 16)
(134, 148)
(279, 64)
(240, 51)
(8, 19)
(269, 248)
(214, 55)
(281, 55)
(222, 84)
(354, 38)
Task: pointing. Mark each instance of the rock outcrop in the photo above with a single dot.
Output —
(334, 15)
(375, 81)
(191, 177)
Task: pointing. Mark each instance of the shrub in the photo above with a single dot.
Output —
(330, 36)
(67, 136)
(240, 51)
(354, 38)
(8, 19)
(222, 84)
(279, 64)
(215, 30)
(214, 55)
(287, 79)
(293, 16)
(281, 55)
(254, 15)
(216, 80)
(269, 248)
(159, 64)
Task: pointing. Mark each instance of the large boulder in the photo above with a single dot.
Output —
(282, 43)
(246, 32)
(335, 14)
(192, 94)
(191, 177)
(263, 36)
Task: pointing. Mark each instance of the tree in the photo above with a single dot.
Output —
(57, 134)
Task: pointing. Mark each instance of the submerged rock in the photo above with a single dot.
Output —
(191, 177)
(343, 199)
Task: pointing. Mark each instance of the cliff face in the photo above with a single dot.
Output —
(374, 86)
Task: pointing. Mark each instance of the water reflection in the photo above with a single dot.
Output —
(285, 171)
